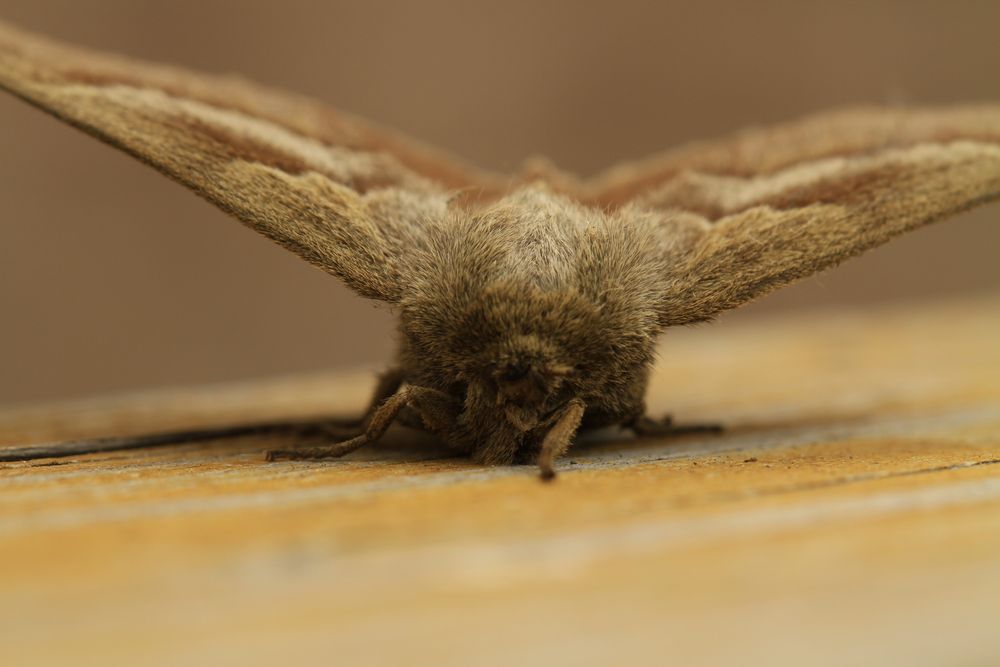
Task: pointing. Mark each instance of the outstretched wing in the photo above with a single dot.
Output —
(770, 206)
(341, 193)
(742, 216)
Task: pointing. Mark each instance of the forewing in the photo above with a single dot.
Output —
(746, 215)
(700, 175)
(339, 192)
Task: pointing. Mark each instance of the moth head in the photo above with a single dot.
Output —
(514, 349)
(528, 373)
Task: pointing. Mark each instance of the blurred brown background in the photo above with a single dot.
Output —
(112, 277)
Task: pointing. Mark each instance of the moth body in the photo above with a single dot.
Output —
(520, 309)
(529, 308)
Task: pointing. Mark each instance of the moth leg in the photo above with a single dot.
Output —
(388, 384)
(323, 430)
(646, 426)
(559, 438)
(380, 420)
(327, 430)
(436, 412)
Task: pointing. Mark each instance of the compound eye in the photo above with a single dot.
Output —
(514, 372)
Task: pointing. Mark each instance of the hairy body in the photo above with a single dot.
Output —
(532, 305)
(528, 306)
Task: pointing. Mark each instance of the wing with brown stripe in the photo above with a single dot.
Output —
(339, 192)
(762, 232)
(742, 216)
(703, 174)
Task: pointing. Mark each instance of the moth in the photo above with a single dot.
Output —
(528, 305)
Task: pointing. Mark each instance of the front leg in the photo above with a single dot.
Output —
(327, 430)
(377, 424)
(559, 437)
(388, 384)
(434, 408)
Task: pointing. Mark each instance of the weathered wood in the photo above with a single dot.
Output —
(850, 513)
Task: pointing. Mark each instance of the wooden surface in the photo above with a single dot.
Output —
(850, 514)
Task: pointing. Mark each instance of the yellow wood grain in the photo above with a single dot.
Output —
(849, 514)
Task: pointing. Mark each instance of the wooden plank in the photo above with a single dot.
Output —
(851, 512)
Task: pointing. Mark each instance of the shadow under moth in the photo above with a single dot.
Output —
(528, 305)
